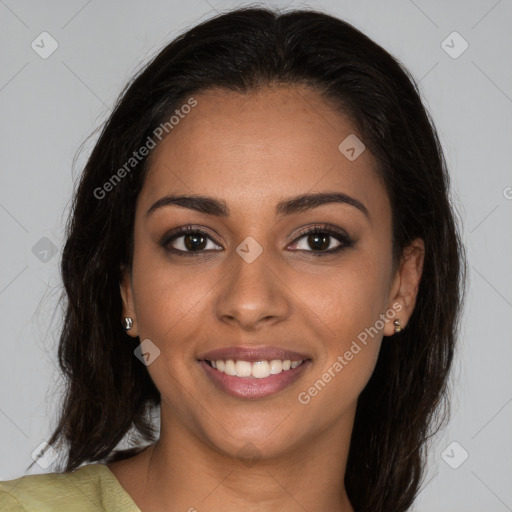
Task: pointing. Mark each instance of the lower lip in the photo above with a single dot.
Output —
(251, 387)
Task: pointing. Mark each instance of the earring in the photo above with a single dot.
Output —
(398, 327)
(128, 322)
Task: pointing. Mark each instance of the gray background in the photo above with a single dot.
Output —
(49, 107)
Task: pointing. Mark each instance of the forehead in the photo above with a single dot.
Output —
(254, 149)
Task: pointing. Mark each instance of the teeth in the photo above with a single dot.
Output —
(276, 366)
(242, 368)
(230, 367)
(258, 369)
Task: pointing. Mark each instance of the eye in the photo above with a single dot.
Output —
(322, 240)
(188, 239)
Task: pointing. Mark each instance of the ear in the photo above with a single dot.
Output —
(406, 281)
(125, 287)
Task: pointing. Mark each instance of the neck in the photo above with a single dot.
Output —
(184, 471)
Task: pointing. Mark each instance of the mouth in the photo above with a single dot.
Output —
(253, 372)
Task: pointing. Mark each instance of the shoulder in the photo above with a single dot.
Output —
(91, 487)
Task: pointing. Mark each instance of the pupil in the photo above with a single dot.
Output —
(194, 245)
(313, 239)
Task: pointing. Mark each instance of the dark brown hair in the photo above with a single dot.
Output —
(109, 392)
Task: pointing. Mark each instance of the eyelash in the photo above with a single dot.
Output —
(340, 235)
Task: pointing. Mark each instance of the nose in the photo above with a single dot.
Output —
(253, 294)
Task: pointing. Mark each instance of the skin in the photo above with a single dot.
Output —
(253, 151)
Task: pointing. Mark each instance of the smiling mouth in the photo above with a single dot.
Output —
(254, 379)
(256, 369)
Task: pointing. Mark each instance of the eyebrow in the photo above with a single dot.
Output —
(212, 206)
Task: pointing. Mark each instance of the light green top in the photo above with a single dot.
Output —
(90, 488)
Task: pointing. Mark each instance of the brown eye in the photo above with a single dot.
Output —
(189, 240)
(319, 242)
(322, 240)
(194, 242)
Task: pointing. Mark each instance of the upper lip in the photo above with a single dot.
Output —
(252, 354)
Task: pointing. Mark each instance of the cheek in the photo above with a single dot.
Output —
(167, 297)
(348, 350)
(347, 305)
(349, 298)
(168, 303)
(167, 287)
(170, 312)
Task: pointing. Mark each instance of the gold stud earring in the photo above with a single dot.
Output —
(398, 328)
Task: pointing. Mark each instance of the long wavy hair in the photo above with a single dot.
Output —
(109, 393)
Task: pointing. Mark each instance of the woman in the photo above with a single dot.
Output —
(262, 246)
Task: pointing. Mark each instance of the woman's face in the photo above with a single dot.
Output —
(253, 280)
